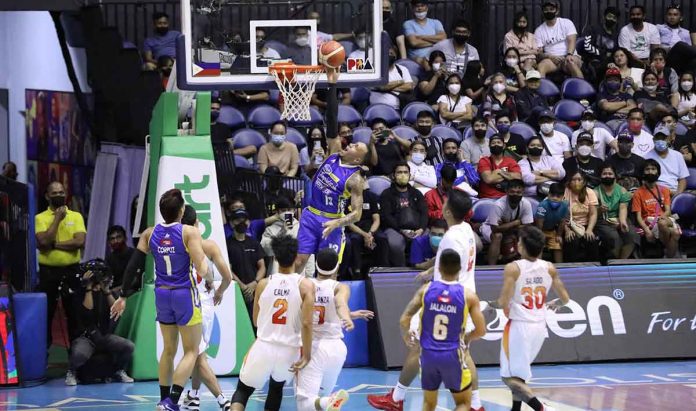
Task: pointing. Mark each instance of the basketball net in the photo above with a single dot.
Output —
(296, 84)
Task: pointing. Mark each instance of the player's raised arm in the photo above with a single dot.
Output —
(472, 301)
(559, 288)
(331, 115)
(341, 300)
(411, 309)
(257, 295)
(194, 244)
(213, 252)
(510, 276)
(307, 291)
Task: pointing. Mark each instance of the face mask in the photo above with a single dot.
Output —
(659, 66)
(392, 60)
(436, 66)
(497, 150)
(687, 85)
(650, 178)
(361, 43)
(460, 38)
(608, 181)
(214, 114)
(610, 23)
(386, 15)
(452, 157)
(166, 71)
(421, 15)
(454, 88)
(635, 127)
(503, 128)
(498, 87)
(577, 186)
(613, 86)
(650, 89)
(535, 151)
(418, 158)
(240, 228)
(424, 130)
(520, 28)
(587, 125)
(661, 146)
(511, 62)
(435, 240)
(554, 204)
(584, 151)
(546, 128)
(636, 21)
(402, 180)
(514, 200)
(278, 139)
(480, 134)
(57, 201)
(162, 30)
(549, 15)
(302, 41)
(624, 148)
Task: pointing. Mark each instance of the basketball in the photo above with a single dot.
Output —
(332, 54)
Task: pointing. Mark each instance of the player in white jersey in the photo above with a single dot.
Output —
(209, 299)
(526, 284)
(459, 237)
(283, 313)
(331, 316)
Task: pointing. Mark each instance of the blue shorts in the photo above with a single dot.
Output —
(310, 238)
(447, 367)
(178, 306)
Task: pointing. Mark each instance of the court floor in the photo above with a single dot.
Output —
(600, 387)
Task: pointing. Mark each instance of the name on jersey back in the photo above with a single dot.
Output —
(535, 280)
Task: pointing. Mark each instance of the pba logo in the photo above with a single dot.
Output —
(359, 64)
(165, 242)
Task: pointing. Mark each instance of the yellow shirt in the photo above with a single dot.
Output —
(71, 224)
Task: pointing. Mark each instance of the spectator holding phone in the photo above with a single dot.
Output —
(434, 82)
(389, 147)
(285, 224)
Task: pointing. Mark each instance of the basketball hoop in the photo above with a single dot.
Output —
(296, 85)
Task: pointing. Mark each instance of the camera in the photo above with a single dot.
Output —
(101, 273)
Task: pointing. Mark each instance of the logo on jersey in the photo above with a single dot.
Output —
(165, 242)
(444, 298)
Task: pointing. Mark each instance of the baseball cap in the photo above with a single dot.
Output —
(547, 114)
(612, 72)
(533, 74)
(496, 136)
(585, 136)
(588, 113)
(239, 213)
(625, 136)
(549, 3)
(662, 129)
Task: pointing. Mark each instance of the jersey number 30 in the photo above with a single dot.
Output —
(279, 316)
(534, 298)
(440, 324)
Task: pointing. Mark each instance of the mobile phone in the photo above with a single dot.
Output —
(288, 218)
(384, 134)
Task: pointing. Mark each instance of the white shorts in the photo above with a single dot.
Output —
(319, 377)
(519, 347)
(416, 322)
(208, 316)
(265, 360)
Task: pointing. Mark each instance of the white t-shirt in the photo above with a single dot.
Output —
(602, 139)
(553, 38)
(378, 97)
(360, 54)
(557, 145)
(454, 105)
(460, 238)
(639, 43)
(423, 176)
(643, 144)
(672, 168)
(527, 167)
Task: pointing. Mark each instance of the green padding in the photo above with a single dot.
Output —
(245, 333)
(197, 147)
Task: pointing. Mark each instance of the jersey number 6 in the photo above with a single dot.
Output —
(440, 323)
(279, 316)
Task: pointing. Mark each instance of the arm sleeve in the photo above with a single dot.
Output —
(438, 26)
(623, 39)
(80, 222)
(408, 28)
(331, 114)
(133, 274)
(527, 176)
(494, 216)
(527, 215)
(388, 220)
(39, 224)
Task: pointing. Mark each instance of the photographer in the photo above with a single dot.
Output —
(95, 330)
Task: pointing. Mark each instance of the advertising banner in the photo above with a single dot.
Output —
(615, 313)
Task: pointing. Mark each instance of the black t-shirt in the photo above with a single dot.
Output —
(243, 257)
(439, 89)
(643, 95)
(387, 156)
(592, 169)
(686, 141)
(516, 145)
(370, 208)
(628, 170)
(393, 28)
(117, 261)
(219, 133)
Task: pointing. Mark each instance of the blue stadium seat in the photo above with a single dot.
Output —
(348, 114)
(578, 89)
(549, 90)
(568, 110)
(315, 119)
(523, 129)
(296, 138)
(281, 48)
(383, 111)
(469, 132)
(231, 117)
(241, 162)
(681, 129)
(409, 114)
(599, 124)
(362, 135)
(263, 116)
(414, 69)
(684, 205)
(691, 180)
(481, 209)
(378, 184)
(406, 132)
(348, 46)
(563, 128)
(248, 137)
(445, 132)
(359, 95)
(274, 96)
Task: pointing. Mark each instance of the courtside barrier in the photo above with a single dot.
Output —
(356, 340)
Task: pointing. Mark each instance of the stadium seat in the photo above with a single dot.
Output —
(296, 138)
(549, 90)
(409, 114)
(599, 124)
(445, 132)
(578, 89)
(469, 132)
(414, 69)
(248, 137)
(241, 162)
(684, 205)
(274, 96)
(316, 119)
(691, 180)
(231, 117)
(563, 128)
(378, 184)
(359, 95)
(568, 110)
(281, 48)
(348, 46)
(406, 132)
(348, 114)
(263, 116)
(481, 209)
(383, 111)
(681, 129)
(523, 129)
(362, 135)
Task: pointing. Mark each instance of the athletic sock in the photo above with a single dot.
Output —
(164, 392)
(193, 393)
(221, 399)
(516, 406)
(475, 399)
(399, 392)
(324, 402)
(176, 393)
(535, 404)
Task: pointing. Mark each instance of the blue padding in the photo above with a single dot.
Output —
(356, 340)
(30, 313)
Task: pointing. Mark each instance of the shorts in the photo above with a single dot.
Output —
(652, 223)
(266, 359)
(444, 367)
(416, 323)
(320, 375)
(178, 306)
(310, 237)
(207, 316)
(519, 347)
(551, 240)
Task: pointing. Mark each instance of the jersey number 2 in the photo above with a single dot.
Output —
(534, 298)
(279, 316)
(440, 327)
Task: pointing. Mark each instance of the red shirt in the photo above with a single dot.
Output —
(435, 199)
(487, 164)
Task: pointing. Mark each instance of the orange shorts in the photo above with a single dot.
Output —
(552, 242)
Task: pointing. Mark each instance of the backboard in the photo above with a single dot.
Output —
(229, 44)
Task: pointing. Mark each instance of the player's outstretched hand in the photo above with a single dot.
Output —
(331, 75)
(347, 324)
(366, 315)
(554, 305)
(424, 276)
(329, 226)
(117, 308)
(217, 298)
(300, 364)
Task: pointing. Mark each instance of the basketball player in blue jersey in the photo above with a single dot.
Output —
(336, 181)
(176, 250)
(446, 305)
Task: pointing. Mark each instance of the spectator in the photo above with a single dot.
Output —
(599, 42)
(639, 36)
(615, 231)
(628, 165)
(246, 257)
(424, 248)
(651, 205)
(648, 98)
(672, 165)
(316, 141)
(631, 70)
(164, 68)
(476, 147)
(262, 48)
(255, 227)
(539, 172)
(614, 103)
(388, 147)
(423, 175)
(511, 67)
(323, 37)
(528, 100)
(364, 49)
(523, 41)
(220, 133)
(584, 162)
(300, 51)
(686, 108)
(550, 218)
(163, 43)
(9, 170)
(556, 144)
(642, 140)
(671, 32)
(120, 254)
(434, 82)
(466, 175)
(274, 189)
(435, 198)
(580, 242)
(454, 108)
(320, 97)
(285, 225)
(667, 78)
(95, 328)
(403, 214)
(345, 132)
(424, 126)
(400, 81)
(365, 236)
(458, 52)
(556, 36)
(508, 214)
(603, 139)
(393, 28)
(669, 120)
(515, 145)
(60, 238)
(473, 81)
(497, 170)
(421, 32)
(498, 100)
(244, 100)
(279, 152)
(685, 144)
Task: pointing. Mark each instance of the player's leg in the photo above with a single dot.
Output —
(456, 377)
(475, 397)
(462, 400)
(520, 345)
(335, 353)
(430, 400)
(522, 391)
(434, 366)
(190, 339)
(210, 380)
(254, 373)
(192, 397)
(308, 237)
(308, 384)
(285, 357)
(170, 342)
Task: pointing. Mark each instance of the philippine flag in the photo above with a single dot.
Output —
(205, 69)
